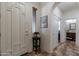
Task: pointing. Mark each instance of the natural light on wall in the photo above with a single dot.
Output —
(71, 21)
(70, 24)
(59, 25)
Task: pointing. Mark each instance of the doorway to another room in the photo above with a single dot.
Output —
(70, 29)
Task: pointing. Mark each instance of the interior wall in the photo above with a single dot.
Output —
(72, 13)
(77, 31)
(5, 30)
(16, 27)
(56, 17)
(30, 16)
(50, 35)
(45, 32)
(58, 14)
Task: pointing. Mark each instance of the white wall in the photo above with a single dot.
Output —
(5, 30)
(16, 27)
(72, 13)
(77, 31)
(56, 16)
(50, 35)
(45, 32)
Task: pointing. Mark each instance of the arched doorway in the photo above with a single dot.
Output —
(59, 18)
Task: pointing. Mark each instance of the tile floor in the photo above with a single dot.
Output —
(68, 48)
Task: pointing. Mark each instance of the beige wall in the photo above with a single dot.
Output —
(16, 27)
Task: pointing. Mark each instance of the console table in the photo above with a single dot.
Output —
(71, 36)
(36, 43)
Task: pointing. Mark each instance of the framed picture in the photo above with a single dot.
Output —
(72, 26)
(44, 22)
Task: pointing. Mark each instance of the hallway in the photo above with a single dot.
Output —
(26, 27)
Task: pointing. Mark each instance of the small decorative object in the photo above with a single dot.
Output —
(44, 22)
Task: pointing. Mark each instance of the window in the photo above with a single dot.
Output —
(34, 20)
(59, 25)
(71, 24)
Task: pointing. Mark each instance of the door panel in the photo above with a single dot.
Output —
(5, 29)
(15, 30)
(22, 19)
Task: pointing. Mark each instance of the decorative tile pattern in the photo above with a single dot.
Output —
(68, 48)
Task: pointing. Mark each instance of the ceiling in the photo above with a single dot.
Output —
(65, 6)
(43, 3)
